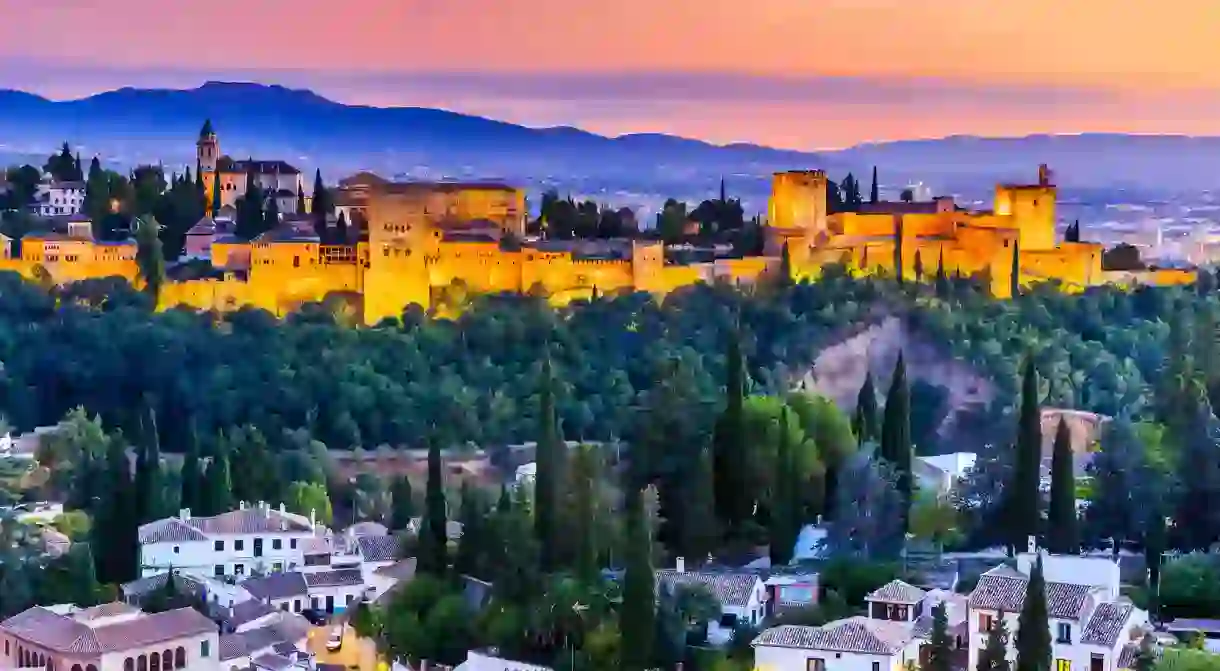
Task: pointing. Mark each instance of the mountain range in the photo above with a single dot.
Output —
(130, 126)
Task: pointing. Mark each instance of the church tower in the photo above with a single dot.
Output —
(208, 148)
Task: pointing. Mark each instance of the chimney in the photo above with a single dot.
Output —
(184, 514)
(681, 565)
(266, 509)
(241, 505)
(1044, 175)
(1033, 545)
(283, 511)
(313, 518)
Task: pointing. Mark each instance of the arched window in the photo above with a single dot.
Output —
(180, 658)
(91, 668)
(129, 664)
(76, 667)
(167, 659)
(50, 664)
(154, 662)
(142, 663)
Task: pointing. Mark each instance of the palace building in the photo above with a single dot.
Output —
(433, 244)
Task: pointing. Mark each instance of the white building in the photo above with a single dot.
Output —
(941, 473)
(110, 637)
(241, 542)
(1090, 623)
(53, 198)
(742, 597)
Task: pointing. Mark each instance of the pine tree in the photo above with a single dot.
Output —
(1024, 495)
(550, 473)
(1033, 638)
(639, 609)
(896, 434)
(217, 495)
(1061, 535)
(734, 503)
(191, 476)
(940, 644)
(874, 195)
(994, 656)
(1015, 274)
(433, 551)
(785, 514)
(864, 424)
(402, 503)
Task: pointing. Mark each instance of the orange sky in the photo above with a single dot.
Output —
(1054, 65)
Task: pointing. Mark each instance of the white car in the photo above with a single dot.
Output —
(335, 640)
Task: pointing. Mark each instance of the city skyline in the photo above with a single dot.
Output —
(784, 73)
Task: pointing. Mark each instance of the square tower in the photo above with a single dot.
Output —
(798, 201)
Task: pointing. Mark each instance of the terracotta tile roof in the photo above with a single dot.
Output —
(379, 548)
(730, 589)
(855, 634)
(289, 629)
(1106, 623)
(334, 578)
(1004, 590)
(105, 610)
(170, 530)
(318, 545)
(277, 585)
(245, 612)
(252, 520)
(61, 633)
(205, 226)
(399, 570)
(272, 661)
(897, 591)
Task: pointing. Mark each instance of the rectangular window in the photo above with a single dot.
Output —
(292, 543)
(177, 549)
(1063, 665)
(815, 664)
(349, 599)
(1097, 662)
(239, 569)
(204, 649)
(876, 666)
(296, 605)
(986, 622)
(1065, 633)
(220, 569)
(277, 543)
(239, 545)
(219, 546)
(277, 566)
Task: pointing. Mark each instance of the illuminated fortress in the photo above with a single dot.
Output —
(434, 244)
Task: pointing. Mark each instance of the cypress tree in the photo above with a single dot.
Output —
(271, 218)
(942, 280)
(896, 433)
(201, 192)
(864, 422)
(918, 269)
(733, 500)
(341, 229)
(1061, 534)
(785, 265)
(148, 469)
(899, 270)
(1024, 496)
(939, 643)
(550, 473)
(699, 529)
(994, 656)
(191, 475)
(116, 531)
(1033, 639)
(874, 195)
(785, 516)
(1015, 275)
(320, 207)
(470, 551)
(1154, 552)
(217, 496)
(433, 551)
(639, 610)
(300, 201)
(216, 200)
(402, 503)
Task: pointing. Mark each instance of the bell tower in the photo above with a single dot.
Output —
(207, 148)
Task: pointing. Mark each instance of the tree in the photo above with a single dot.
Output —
(550, 473)
(300, 205)
(733, 499)
(1146, 657)
(896, 434)
(1015, 274)
(433, 552)
(271, 218)
(638, 618)
(1061, 537)
(116, 528)
(1024, 495)
(831, 431)
(942, 280)
(471, 550)
(191, 474)
(1196, 520)
(321, 206)
(309, 499)
(217, 494)
(402, 503)
(994, 656)
(584, 501)
(216, 187)
(874, 194)
(341, 234)
(868, 520)
(1154, 551)
(865, 425)
(1123, 485)
(918, 266)
(940, 644)
(899, 258)
(1033, 638)
(700, 532)
(150, 259)
(785, 508)
(148, 469)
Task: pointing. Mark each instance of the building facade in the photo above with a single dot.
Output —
(276, 179)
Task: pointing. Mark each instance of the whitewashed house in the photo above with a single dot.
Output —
(109, 637)
(855, 644)
(742, 597)
(1091, 623)
(53, 198)
(241, 542)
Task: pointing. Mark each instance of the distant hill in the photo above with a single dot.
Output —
(128, 126)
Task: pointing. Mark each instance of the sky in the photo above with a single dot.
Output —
(803, 74)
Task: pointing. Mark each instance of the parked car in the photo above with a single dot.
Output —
(315, 617)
